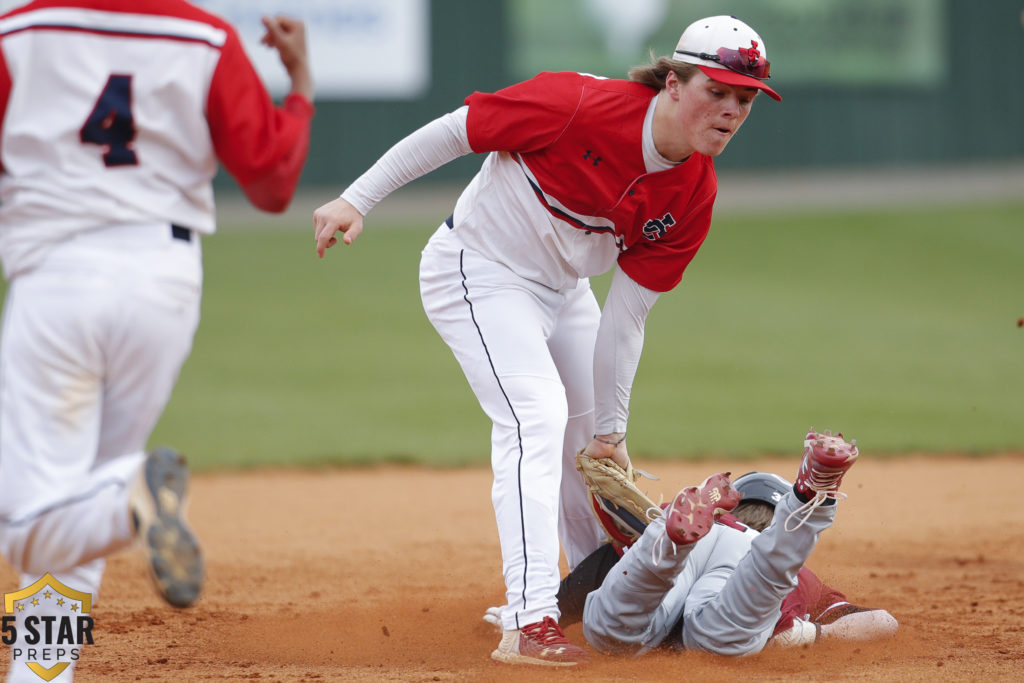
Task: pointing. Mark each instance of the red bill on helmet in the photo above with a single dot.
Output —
(728, 51)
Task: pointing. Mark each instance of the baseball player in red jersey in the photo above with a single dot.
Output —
(582, 175)
(115, 115)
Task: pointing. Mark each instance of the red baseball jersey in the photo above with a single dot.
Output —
(578, 140)
(117, 112)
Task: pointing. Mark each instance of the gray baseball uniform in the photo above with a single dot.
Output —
(725, 590)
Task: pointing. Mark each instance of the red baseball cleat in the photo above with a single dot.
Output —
(541, 643)
(696, 508)
(826, 460)
(827, 457)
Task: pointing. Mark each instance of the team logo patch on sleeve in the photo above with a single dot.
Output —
(657, 227)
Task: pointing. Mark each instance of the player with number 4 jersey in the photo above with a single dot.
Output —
(115, 115)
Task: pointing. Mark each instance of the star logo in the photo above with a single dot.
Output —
(40, 640)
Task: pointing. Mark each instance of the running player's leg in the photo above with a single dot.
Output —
(87, 374)
(52, 510)
(572, 348)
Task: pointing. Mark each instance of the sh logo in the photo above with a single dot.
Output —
(657, 227)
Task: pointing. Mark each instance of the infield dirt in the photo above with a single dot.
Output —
(384, 574)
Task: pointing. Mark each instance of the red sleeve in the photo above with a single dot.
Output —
(526, 116)
(263, 147)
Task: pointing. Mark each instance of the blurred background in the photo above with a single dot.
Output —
(865, 82)
(863, 271)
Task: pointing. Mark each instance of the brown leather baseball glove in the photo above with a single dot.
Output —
(621, 508)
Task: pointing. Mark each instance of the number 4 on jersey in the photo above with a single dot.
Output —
(111, 123)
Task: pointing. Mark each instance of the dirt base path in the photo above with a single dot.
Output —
(383, 574)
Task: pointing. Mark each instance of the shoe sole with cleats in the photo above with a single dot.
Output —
(697, 508)
(175, 558)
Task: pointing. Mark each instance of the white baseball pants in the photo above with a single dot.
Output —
(527, 351)
(92, 344)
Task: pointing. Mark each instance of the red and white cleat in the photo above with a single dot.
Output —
(827, 457)
(695, 509)
(541, 643)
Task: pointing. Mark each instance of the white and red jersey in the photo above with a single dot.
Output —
(117, 112)
(571, 148)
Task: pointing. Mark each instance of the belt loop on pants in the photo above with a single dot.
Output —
(180, 233)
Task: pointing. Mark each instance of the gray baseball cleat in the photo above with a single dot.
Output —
(158, 517)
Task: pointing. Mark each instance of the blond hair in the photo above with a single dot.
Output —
(654, 73)
(754, 513)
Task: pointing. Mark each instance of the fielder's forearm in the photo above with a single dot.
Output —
(435, 144)
(620, 341)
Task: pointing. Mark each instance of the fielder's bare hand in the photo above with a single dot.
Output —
(605, 446)
(333, 217)
(288, 37)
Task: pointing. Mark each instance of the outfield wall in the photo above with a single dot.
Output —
(961, 102)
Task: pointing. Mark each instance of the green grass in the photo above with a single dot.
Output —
(299, 360)
(897, 327)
